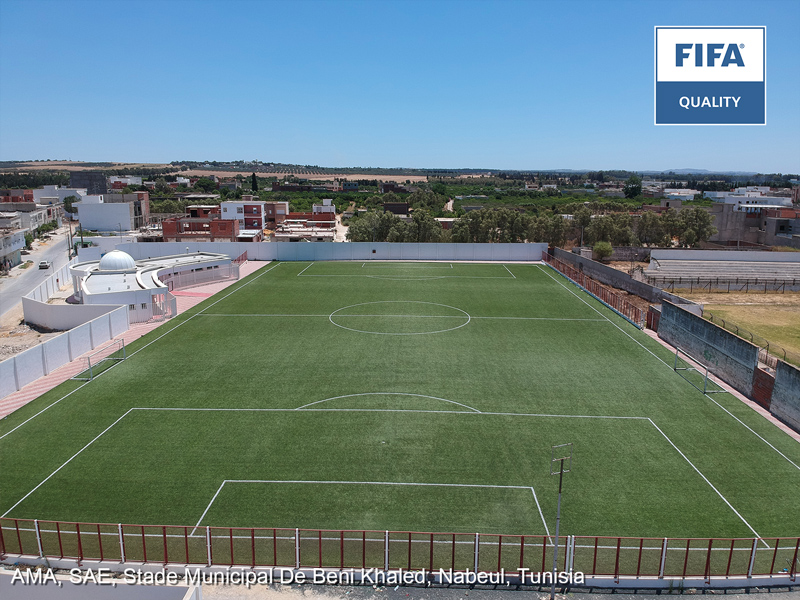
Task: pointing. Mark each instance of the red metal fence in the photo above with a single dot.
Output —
(616, 301)
(617, 557)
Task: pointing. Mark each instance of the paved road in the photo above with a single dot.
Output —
(13, 288)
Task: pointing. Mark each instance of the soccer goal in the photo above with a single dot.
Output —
(100, 360)
(700, 381)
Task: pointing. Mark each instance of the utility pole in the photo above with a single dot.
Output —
(560, 454)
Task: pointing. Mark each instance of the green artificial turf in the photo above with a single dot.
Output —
(416, 373)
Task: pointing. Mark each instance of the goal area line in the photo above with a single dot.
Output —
(375, 483)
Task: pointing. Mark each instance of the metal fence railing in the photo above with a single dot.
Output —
(617, 557)
(611, 299)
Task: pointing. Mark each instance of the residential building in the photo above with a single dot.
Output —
(397, 208)
(275, 213)
(120, 183)
(17, 196)
(278, 186)
(12, 241)
(94, 182)
(114, 212)
(250, 213)
(30, 214)
(327, 207)
(349, 186)
(53, 194)
(390, 186)
(233, 184)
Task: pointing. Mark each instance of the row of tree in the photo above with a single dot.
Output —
(487, 225)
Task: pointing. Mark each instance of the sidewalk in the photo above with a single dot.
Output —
(186, 299)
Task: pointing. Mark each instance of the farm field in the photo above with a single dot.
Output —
(400, 396)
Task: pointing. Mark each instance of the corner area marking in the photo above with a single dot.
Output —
(790, 461)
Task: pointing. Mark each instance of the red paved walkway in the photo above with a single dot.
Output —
(186, 299)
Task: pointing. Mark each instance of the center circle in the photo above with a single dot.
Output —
(399, 317)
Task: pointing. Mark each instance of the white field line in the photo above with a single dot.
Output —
(66, 463)
(388, 483)
(413, 277)
(387, 394)
(200, 520)
(384, 483)
(790, 461)
(711, 485)
(417, 316)
(509, 272)
(142, 348)
(304, 270)
(44, 409)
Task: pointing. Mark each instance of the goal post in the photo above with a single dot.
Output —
(100, 360)
(684, 368)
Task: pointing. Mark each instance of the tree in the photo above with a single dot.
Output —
(68, 201)
(254, 183)
(28, 240)
(603, 250)
(633, 187)
(649, 228)
(581, 218)
(671, 225)
(697, 226)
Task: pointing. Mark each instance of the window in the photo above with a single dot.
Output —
(239, 210)
(224, 209)
(131, 307)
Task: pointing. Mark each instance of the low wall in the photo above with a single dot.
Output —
(732, 255)
(28, 366)
(618, 279)
(52, 284)
(322, 251)
(60, 317)
(786, 395)
(726, 355)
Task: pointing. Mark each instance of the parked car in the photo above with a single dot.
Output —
(45, 264)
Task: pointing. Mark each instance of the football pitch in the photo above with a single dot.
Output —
(401, 396)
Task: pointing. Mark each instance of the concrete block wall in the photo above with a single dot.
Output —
(786, 395)
(730, 357)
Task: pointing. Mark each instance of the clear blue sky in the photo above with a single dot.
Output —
(511, 85)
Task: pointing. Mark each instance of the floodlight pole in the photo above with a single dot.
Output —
(558, 523)
(562, 449)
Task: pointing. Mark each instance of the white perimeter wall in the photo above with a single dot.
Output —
(321, 251)
(733, 255)
(40, 360)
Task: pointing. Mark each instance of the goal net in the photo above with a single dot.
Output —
(101, 360)
(698, 377)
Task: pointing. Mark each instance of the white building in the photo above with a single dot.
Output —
(250, 213)
(327, 207)
(12, 241)
(125, 181)
(144, 285)
(97, 215)
(53, 194)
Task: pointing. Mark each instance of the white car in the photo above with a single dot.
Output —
(45, 264)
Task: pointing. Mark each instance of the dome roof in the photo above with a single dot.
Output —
(117, 260)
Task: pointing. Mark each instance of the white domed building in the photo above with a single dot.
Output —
(145, 285)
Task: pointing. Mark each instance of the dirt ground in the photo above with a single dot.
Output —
(16, 337)
(754, 298)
